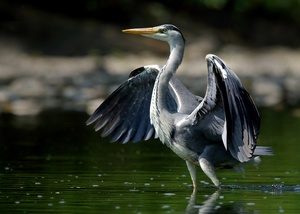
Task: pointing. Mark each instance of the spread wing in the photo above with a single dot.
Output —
(228, 99)
(125, 113)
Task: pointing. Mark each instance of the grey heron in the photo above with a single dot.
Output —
(220, 129)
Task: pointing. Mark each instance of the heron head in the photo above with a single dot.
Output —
(166, 32)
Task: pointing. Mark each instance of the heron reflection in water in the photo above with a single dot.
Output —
(219, 129)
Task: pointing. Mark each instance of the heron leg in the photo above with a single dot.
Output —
(192, 169)
(209, 170)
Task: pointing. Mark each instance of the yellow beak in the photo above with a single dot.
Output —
(151, 30)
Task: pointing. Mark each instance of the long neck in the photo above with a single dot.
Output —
(164, 77)
(159, 113)
(175, 58)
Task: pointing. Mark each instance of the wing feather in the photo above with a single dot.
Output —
(226, 98)
(125, 113)
(241, 115)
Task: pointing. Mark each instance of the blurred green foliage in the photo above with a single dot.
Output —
(288, 9)
(259, 22)
(272, 6)
(124, 10)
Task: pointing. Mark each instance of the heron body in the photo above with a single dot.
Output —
(221, 128)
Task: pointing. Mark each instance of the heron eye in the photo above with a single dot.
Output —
(163, 30)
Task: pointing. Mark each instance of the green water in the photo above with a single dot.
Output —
(54, 164)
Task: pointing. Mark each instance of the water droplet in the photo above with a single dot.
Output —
(281, 210)
(133, 190)
(204, 182)
(169, 194)
(217, 207)
(62, 201)
(127, 183)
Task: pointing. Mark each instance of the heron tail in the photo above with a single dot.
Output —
(263, 150)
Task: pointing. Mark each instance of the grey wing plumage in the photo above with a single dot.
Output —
(124, 115)
(242, 120)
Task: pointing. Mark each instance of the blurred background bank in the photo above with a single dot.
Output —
(60, 55)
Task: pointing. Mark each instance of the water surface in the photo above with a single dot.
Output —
(54, 164)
